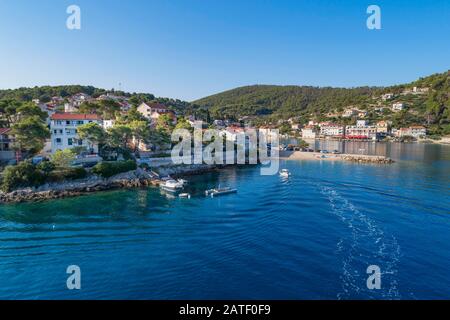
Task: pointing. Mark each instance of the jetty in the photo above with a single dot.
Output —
(317, 156)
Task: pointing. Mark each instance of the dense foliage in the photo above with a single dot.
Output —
(109, 169)
(272, 103)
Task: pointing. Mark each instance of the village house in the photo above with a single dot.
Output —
(231, 133)
(7, 152)
(332, 130)
(348, 113)
(387, 96)
(398, 106)
(418, 131)
(403, 132)
(309, 132)
(417, 90)
(384, 127)
(153, 110)
(122, 101)
(108, 124)
(361, 131)
(63, 129)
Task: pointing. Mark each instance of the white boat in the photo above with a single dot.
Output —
(285, 173)
(171, 185)
(184, 195)
(219, 191)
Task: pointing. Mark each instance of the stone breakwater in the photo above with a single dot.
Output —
(299, 155)
(133, 179)
(366, 159)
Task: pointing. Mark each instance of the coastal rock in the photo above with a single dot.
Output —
(131, 179)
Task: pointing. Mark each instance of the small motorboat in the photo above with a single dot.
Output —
(184, 195)
(219, 191)
(285, 173)
(171, 185)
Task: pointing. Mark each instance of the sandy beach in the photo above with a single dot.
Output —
(299, 155)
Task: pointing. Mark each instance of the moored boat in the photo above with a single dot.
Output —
(171, 185)
(285, 173)
(219, 191)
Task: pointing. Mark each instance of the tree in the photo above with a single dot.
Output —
(8, 110)
(63, 158)
(182, 123)
(140, 131)
(30, 134)
(119, 136)
(22, 175)
(92, 132)
(165, 122)
(27, 110)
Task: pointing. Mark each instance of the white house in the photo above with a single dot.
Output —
(387, 96)
(63, 127)
(362, 123)
(147, 108)
(153, 111)
(309, 132)
(108, 124)
(398, 106)
(348, 113)
(6, 145)
(418, 131)
(332, 130)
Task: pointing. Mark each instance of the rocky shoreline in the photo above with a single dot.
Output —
(133, 179)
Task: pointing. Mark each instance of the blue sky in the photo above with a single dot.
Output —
(188, 49)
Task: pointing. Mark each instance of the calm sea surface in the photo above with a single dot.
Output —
(309, 237)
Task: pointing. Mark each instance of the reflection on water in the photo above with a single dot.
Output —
(423, 152)
(311, 236)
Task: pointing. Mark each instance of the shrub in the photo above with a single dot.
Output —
(67, 174)
(109, 169)
(24, 174)
(63, 158)
(46, 167)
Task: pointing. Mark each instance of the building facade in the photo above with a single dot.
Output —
(63, 127)
(332, 130)
(6, 145)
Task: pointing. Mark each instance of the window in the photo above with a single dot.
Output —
(58, 140)
(67, 122)
(79, 122)
(80, 142)
(70, 141)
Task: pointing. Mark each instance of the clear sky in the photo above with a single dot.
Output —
(189, 49)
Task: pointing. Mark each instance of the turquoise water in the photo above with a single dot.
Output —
(309, 237)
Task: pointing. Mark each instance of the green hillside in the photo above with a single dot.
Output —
(271, 103)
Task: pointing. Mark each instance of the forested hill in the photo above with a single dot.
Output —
(282, 102)
(285, 101)
(45, 93)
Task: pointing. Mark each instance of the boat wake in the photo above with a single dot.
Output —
(366, 245)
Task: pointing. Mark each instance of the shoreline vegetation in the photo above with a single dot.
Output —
(137, 178)
(141, 178)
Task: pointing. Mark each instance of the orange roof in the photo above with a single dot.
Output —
(4, 130)
(74, 116)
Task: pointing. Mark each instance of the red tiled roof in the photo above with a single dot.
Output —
(4, 130)
(74, 116)
(155, 105)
